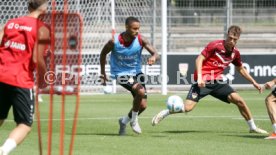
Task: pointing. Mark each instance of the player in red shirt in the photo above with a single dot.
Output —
(21, 51)
(271, 107)
(210, 65)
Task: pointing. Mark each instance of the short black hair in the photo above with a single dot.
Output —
(34, 4)
(131, 19)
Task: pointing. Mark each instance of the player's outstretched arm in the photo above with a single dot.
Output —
(154, 55)
(38, 54)
(248, 77)
(198, 62)
(106, 49)
(270, 84)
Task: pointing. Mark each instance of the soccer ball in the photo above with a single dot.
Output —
(69, 89)
(174, 103)
(107, 89)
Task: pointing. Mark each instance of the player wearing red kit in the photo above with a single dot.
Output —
(21, 51)
(210, 65)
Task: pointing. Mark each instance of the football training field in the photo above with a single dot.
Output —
(213, 127)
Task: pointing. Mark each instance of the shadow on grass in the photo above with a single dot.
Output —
(183, 131)
(248, 136)
(165, 133)
(98, 134)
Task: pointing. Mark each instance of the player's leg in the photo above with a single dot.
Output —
(236, 99)
(5, 103)
(23, 110)
(138, 91)
(139, 103)
(227, 94)
(194, 95)
(271, 110)
(189, 104)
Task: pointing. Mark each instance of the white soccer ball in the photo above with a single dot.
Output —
(69, 89)
(107, 89)
(174, 103)
(58, 89)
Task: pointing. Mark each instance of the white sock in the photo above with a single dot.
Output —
(251, 124)
(183, 108)
(126, 119)
(166, 112)
(9, 145)
(274, 127)
(134, 116)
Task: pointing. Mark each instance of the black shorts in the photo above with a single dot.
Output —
(22, 101)
(218, 89)
(128, 82)
(274, 92)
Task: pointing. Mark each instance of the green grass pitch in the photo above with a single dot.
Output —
(213, 127)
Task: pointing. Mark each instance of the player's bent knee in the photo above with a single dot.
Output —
(236, 99)
(140, 91)
(143, 106)
(239, 103)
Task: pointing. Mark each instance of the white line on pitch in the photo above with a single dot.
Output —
(147, 117)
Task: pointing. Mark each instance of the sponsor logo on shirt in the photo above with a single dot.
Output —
(194, 95)
(19, 27)
(15, 45)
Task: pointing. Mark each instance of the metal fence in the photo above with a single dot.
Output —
(191, 23)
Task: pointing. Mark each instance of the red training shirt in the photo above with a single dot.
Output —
(16, 51)
(216, 60)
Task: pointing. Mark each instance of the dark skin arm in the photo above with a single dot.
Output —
(106, 49)
(154, 55)
(38, 55)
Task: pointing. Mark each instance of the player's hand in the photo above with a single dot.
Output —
(200, 83)
(103, 79)
(258, 87)
(269, 85)
(47, 53)
(151, 60)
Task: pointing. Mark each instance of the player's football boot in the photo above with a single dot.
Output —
(271, 137)
(135, 126)
(258, 130)
(122, 129)
(2, 152)
(159, 117)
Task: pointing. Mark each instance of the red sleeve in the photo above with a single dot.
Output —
(140, 40)
(237, 60)
(209, 50)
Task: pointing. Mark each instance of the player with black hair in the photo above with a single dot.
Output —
(126, 67)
